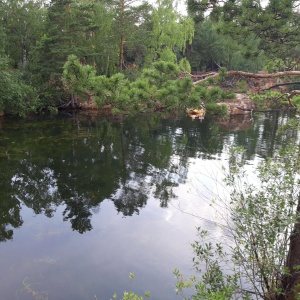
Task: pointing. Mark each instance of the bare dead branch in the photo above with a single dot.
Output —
(281, 84)
(252, 75)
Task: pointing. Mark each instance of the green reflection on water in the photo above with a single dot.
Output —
(82, 160)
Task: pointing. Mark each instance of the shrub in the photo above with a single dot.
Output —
(257, 258)
(16, 97)
(215, 94)
(213, 109)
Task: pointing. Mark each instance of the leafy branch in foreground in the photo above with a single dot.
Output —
(258, 258)
(131, 295)
(214, 283)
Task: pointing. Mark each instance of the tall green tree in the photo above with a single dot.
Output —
(171, 31)
(22, 25)
(68, 30)
(105, 44)
(136, 47)
(275, 23)
(211, 49)
(128, 18)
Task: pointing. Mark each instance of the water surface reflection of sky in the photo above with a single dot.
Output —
(67, 265)
(144, 186)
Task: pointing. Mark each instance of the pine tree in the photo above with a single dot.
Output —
(275, 23)
(68, 30)
(22, 24)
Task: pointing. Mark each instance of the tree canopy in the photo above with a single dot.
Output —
(128, 37)
(275, 23)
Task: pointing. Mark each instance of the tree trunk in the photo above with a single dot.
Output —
(291, 282)
(264, 75)
(122, 36)
(73, 100)
(121, 52)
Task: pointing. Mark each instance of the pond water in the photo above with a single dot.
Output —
(86, 199)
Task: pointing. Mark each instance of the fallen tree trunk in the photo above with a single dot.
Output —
(252, 75)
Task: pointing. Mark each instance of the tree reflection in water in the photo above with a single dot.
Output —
(79, 162)
(10, 218)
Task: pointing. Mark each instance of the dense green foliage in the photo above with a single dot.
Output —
(155, 88)
(111, 36)
(16, 97)
(274, 23)
(211, 49)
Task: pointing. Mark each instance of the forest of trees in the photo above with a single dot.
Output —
(130, 51)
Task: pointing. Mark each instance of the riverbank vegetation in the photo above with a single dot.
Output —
(129, 46)
(258, 257)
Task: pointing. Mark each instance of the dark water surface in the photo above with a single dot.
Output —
(85, 200)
